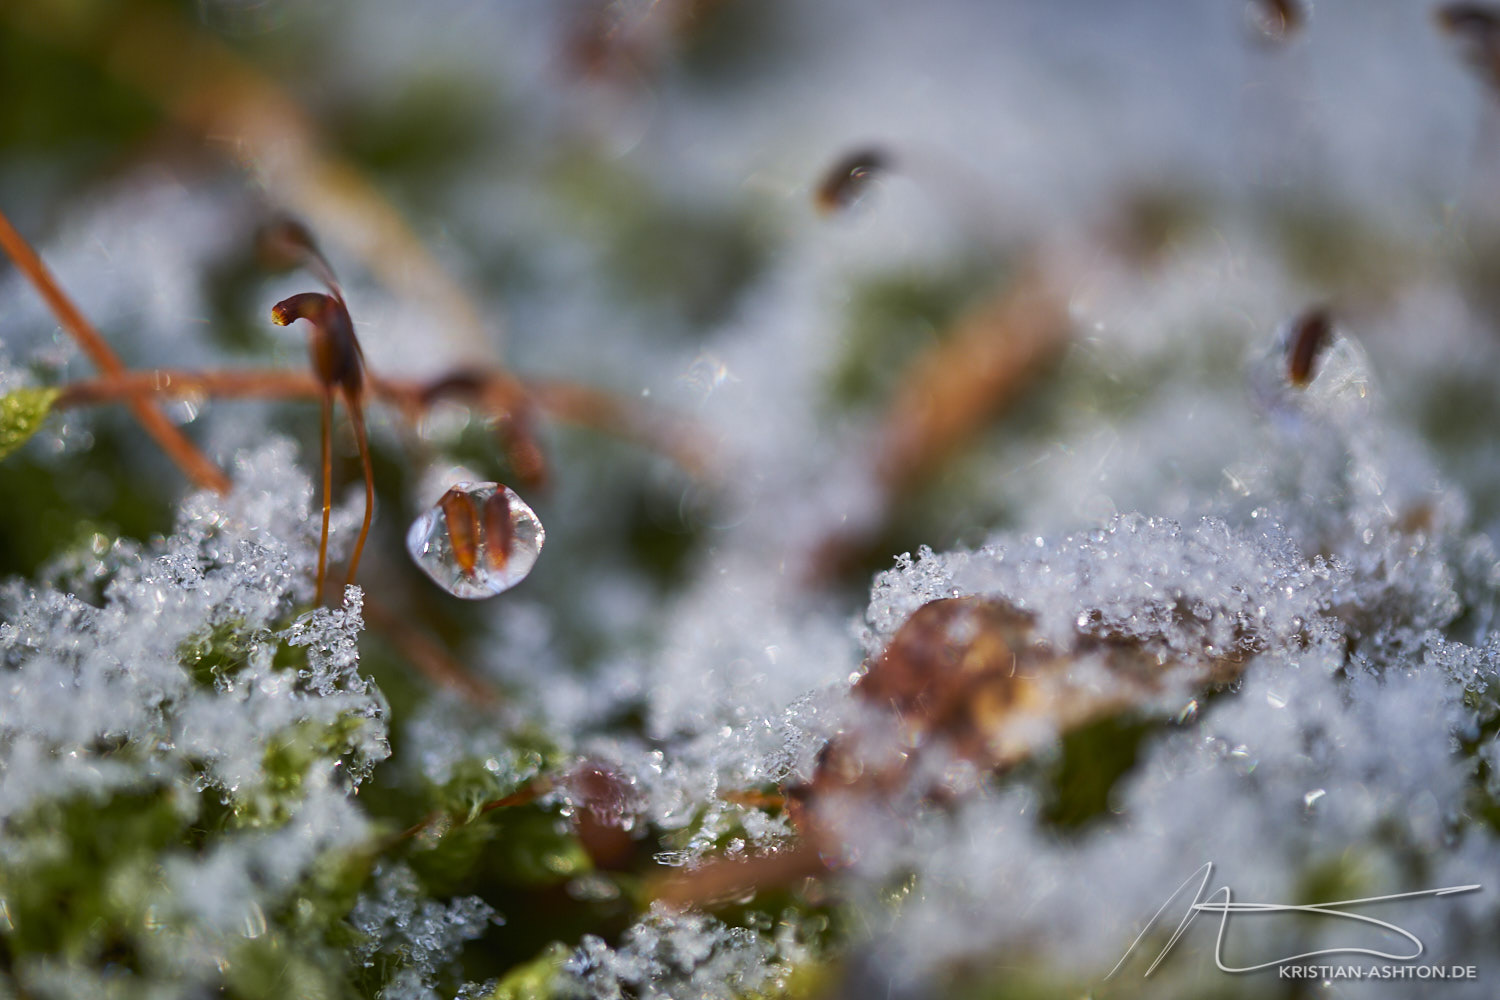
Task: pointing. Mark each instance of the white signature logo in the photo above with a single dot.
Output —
(1211, 903)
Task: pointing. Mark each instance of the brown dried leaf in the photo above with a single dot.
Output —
(968, 678)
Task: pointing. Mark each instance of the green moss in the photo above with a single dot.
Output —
(45, 502)
(806, 981)
(316, 911)
(21, 415)
(533, 980)
(418, 136)
(215, 655)
(289, 756)
(1023, 980)
(88, 892)
(73, 108)
(461, 845)
(1092, 759)
(89, 869)
(526, 846)
(661, 540)
(473, 783)
(273, 967)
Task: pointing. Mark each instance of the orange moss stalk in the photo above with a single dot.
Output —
(497, 393)
(194, 464)
(339, 365)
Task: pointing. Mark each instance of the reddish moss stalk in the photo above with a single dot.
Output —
(194, 464)
(500, 394)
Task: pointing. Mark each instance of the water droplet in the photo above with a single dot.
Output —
(593, 887)
(185, 409)
(478, 540)
(704, 375)
(255, 921)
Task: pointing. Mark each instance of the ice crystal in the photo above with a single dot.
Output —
(680, 955)
(333, 653)
(1343, 731)
(168, 694)
(398, 923)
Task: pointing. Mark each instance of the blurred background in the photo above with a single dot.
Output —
(617, 194)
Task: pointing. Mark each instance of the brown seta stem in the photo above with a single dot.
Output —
(249, 383)
(327, 441)
(525, 795)
(581, 405)
(724, 879)
(357, 417)
(194, 464)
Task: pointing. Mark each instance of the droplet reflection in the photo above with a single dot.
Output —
(478, 540)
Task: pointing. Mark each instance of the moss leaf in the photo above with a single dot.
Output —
(21, 415)
(533, 980)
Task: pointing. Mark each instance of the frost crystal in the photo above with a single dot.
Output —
(1341, 732)
(166, 699)
(399, 924)
(679, 956)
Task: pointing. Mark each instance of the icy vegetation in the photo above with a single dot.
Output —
(159, 715)
(1351, 741)
(670, 955)
(1175, 388)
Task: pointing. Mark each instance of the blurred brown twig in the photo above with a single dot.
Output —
(197, 466)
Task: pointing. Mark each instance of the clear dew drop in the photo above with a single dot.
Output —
(459, 542)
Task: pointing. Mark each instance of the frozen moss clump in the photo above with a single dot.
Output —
(174, 769)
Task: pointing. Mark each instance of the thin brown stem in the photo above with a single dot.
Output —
(525, 795)
(753, 799)
(249, 383)
(570, 402)
(194, 464)
(327, 440)
(357, 418)
(725, 879)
